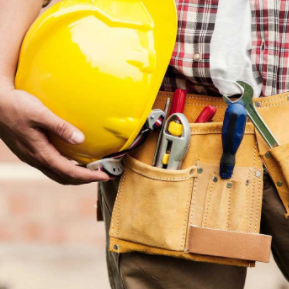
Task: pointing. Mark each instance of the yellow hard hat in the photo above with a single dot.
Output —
(99, 64)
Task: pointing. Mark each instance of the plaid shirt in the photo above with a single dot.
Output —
(190, 64)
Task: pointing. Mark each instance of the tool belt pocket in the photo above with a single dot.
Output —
(192, 213)
(274, 111)
(152, 205)
(277, 164)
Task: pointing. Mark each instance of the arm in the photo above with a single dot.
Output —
(24, 120)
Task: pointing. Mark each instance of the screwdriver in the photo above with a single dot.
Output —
(207, 114)
(179, 101)
(232, 134)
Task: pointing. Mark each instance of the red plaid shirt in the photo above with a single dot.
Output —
(190, 63)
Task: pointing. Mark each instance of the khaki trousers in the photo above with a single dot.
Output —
(140, 271)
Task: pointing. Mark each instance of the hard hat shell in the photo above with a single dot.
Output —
(99, 64)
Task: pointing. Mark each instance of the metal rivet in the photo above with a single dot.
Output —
(215, 179)
(200, 170)
(197, 56)
(279, 184)
(115, 247)
(258, 104)
(268, 155)
(247, 183)
(229, 185)
(258, 174)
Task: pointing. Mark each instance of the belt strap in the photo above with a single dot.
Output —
(228, 244)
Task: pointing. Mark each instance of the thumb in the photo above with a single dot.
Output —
(61, 128)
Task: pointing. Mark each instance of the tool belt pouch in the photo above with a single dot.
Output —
(192, 213)
(275, 112)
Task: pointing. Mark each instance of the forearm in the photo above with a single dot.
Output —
(16, 16)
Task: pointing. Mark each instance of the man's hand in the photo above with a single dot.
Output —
(24, 120)
(24, 123)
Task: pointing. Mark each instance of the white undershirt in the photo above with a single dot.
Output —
(230, 48)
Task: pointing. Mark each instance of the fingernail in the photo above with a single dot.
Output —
(77, 137)
(104, 179)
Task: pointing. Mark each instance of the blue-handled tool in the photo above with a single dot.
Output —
(232, 135)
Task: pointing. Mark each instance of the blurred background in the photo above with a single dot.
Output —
(49, 237)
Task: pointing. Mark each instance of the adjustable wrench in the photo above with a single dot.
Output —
(247, 100)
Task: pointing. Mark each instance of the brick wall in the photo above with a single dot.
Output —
(34, 209)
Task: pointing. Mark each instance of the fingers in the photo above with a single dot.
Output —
(43, 156)
(23, 131)
(66, 131)
(51, 175)
(60, 180)
(66, 169)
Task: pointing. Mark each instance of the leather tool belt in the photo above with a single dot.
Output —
(192, 213)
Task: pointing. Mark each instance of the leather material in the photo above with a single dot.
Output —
(229, 244)
(142, 271)
(153, 213)
(274, 111)
(129, 247)
(165, 207)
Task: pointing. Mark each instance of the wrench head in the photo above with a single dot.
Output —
(246, 98)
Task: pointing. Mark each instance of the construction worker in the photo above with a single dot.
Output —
(217, 40)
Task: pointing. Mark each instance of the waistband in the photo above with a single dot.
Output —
(195, 103)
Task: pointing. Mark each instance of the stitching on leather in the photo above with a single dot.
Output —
(192, 103)
(189, 242)
(208, 203)
(119, 203)
(247, 201)
(274, 99)
(203, 104)
(259, 197)
(170, 179)
(186, 216)
(205, 98)
(253, 189)
(194, 97)
(229, 208)
(217, 131)
(114, 213)
(192, 209)
(263, 101)
(189, 175)
(276, 104)
(160, 101)
(205, 131)
(221, 106)
(193, 200)
(163, 178)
